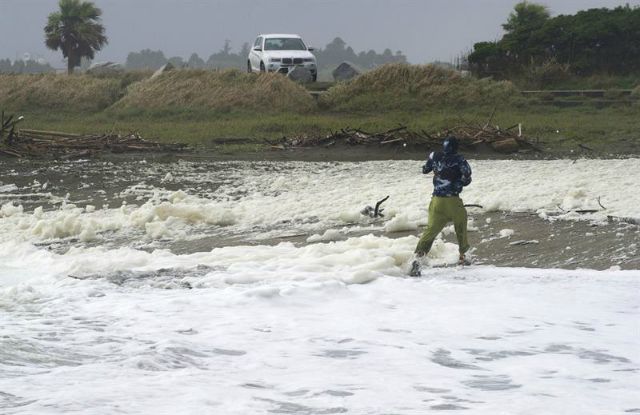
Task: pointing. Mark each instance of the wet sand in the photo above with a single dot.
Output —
(355, 153)
(535, 242)
(560, 244)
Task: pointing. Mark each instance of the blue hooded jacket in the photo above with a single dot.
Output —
(451, 172)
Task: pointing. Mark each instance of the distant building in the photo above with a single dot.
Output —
(346, 71)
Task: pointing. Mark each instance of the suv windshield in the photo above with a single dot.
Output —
(286, 43)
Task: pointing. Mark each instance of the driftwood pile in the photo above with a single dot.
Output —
(348, 136)
(508, 140)
(36, 143)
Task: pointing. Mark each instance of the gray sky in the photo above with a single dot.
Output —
(425, 30)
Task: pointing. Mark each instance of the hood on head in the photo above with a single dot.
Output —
(450, 145)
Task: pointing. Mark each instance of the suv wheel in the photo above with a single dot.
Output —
(262, 69)
(249, 68)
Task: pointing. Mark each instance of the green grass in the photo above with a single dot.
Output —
(587, 82)
(198, 107)
(559, 128)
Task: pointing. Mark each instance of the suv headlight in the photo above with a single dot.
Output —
(308, 60)
(275, 60)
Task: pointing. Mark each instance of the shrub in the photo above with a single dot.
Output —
(549, 73)
(81, 93)
(227, 90)
(614, 94)
(125, 78)
(415, 87)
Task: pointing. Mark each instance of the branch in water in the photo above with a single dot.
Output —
(378, 212)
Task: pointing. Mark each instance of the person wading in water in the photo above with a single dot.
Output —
(451, 173)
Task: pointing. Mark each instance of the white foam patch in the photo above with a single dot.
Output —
(367, 253)
(5, 188)
(9, 209)
(275, 328)
(506, 233)
(329, 235)
(314, 197)
(400, 223)
(158, 219)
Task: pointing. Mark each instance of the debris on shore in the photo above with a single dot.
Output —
(375, 212)
(507, 140)
(52, 144)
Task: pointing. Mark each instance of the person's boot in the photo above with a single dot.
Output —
(416, 268)
(463, 261)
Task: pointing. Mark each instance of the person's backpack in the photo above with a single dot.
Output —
(446, 168)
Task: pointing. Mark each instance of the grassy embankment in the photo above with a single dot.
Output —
(199, 106)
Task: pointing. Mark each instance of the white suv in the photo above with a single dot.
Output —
(281, 53)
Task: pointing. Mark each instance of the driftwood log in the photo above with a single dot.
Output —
(44, 144)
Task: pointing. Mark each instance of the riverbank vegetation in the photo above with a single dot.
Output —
(58, 93)
(200, 91)
(415, 88)
(208, 107)
(595, 48)
(611, 129)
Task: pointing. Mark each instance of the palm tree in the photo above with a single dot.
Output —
(76, 30)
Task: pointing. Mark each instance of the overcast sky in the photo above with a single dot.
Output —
(425, 30)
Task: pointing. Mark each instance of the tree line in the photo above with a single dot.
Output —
(337, 52)
(76, 30)
(590, 42)
(154, 59)
(24, 66)
(331, 56)
(594, 41)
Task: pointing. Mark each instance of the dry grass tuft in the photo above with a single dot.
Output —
(228, 90)
(415, 87)
(60, 93)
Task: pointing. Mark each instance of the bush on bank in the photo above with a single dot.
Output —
(228, 90)
(415, 87)
(57, 93)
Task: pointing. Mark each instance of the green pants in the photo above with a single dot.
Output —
(441, 211)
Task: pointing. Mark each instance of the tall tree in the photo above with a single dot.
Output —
(244, 52)
(525, 19)
(5, 66)
(146, 59)
(177, 62)
(594, 41)
(227, 47)
(526, 16)
(195, 62)
(76, 30)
